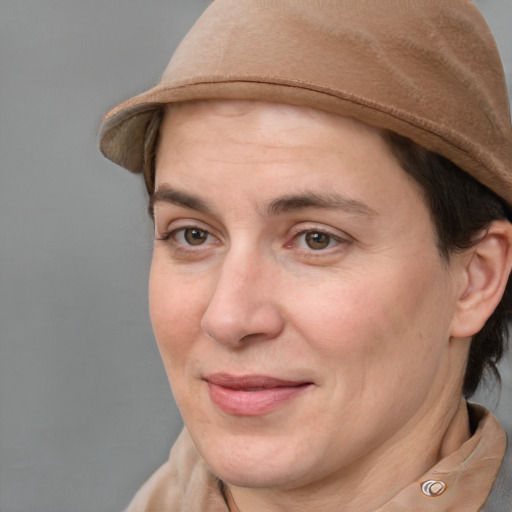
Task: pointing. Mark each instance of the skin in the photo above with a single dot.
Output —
(372, 321)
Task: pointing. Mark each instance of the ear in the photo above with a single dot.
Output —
(486, 268)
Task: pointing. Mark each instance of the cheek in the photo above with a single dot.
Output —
(175, 311)
(377, 327)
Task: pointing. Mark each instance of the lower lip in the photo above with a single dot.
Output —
(252, 403)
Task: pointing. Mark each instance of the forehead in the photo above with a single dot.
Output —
(263, 128)
(234, 143)
(273, 123)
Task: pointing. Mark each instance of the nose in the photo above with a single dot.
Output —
(244, 304)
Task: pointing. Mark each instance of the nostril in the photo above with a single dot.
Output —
(253, 337)
(259, 323)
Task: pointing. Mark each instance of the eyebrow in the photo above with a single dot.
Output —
(166, 194)
(309, 199)
(281, 205)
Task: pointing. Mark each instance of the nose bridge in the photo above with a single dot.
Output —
(243, 304)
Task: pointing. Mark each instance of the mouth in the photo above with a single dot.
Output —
(252, 395)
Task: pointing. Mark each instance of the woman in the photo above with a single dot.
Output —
(330, 187)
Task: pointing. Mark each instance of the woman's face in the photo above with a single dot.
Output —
(300, 305)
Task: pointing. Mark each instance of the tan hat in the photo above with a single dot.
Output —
(425, 69)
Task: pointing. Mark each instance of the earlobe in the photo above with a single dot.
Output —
(487, 266)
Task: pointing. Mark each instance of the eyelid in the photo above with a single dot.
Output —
(304, 227)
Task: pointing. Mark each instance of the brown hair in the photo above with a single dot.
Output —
(461, 209)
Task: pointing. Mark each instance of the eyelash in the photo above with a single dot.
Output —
(170, 236)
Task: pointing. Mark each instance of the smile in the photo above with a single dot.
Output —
(252, 395)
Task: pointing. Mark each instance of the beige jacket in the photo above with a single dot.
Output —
(185, 484)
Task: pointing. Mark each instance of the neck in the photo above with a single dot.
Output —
(367, 484)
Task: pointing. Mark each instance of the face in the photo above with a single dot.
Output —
(300, 305)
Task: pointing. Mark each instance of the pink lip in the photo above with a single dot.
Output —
(251, 395)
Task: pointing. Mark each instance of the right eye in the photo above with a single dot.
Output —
(189, 236)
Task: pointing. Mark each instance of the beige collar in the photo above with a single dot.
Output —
(467, 474)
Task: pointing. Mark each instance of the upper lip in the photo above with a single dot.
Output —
(251, 381)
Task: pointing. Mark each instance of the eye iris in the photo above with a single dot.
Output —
(317, 241)
(195, 236)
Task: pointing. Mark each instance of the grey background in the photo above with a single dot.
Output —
(85, 409)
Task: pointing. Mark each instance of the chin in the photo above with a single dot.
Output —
(255, 461)
(256, 475)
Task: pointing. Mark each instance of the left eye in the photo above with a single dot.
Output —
(192, 236)
(316, 240)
